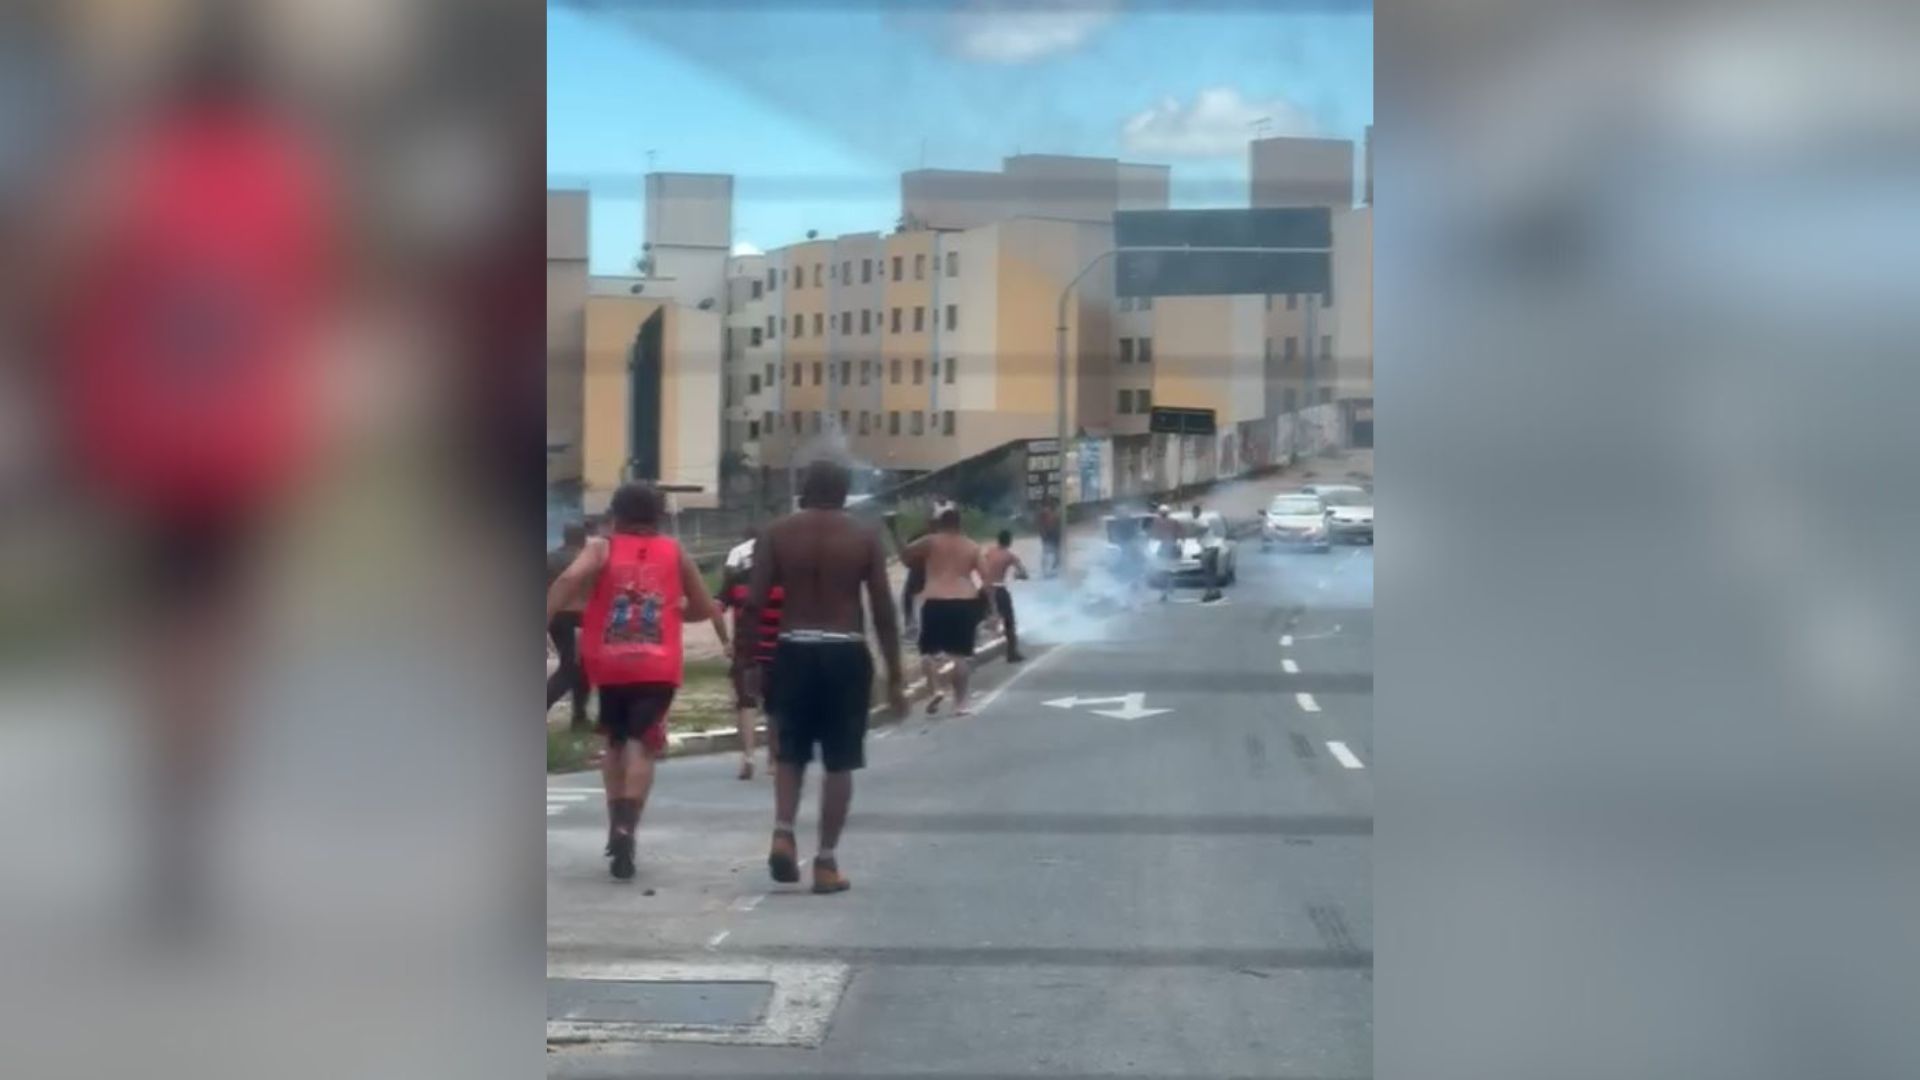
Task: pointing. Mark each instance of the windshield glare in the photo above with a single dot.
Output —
(1295, 507)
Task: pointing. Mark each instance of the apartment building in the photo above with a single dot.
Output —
(650, 394)
(566, 330)
(921, 347)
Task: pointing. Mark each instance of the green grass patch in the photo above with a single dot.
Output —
(569, 751)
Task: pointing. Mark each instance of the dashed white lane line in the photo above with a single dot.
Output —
(1344, 756)
(714, 941)
(1286, 641)
(748, 903)
(567, 797)
(1287, 665)
(1306, 702)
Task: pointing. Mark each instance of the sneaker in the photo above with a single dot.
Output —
(622, 857)
(782, 863)
(746, 768)
(827, 877)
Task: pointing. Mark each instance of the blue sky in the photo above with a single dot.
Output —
(817, 109)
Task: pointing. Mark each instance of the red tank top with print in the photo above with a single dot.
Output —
(631, 630)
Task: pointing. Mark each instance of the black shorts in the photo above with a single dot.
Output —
(636, 711)
(947, 626)
(820, 692)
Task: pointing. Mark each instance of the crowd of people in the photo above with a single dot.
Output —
(800, 593)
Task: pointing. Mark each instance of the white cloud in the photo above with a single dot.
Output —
(744, 248)
(1021, 31)
(1219, 123)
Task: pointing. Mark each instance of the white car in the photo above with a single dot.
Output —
(1349, 515)
(1127, 532)
(1296, 519)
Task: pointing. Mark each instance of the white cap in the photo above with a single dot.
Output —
(741, 557)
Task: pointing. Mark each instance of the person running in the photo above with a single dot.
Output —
(1167, 534)
(993, 573)
(564, 629)
(1049, 523)
(916, 582)
(952, 610)
(822, 673)
(1209, 560)
(753, 652)
(636, 582)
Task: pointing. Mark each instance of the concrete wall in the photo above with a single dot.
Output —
(955, 198)
(689, 209)
(567, 225)
(689, 394)
(1301, 172)
(1208, 354)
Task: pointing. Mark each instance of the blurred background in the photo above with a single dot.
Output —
(270, 451)
(1645, 685)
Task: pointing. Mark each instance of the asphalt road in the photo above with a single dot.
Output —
(1039, 890)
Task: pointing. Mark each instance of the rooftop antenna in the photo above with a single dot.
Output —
(651, 154)
(1260, 126)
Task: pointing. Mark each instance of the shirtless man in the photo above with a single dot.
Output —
(994, 566)
(951, 610)
(822, 674)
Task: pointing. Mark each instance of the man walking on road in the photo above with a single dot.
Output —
(635, 582)
(1049, 539)
(564, 629)
(822, 674)
(994, 566)
(1167, 534)
(951, 612)
(753, 652)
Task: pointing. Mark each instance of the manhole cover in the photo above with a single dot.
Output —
(623, 1001)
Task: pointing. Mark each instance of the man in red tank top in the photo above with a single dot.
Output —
(635, 582)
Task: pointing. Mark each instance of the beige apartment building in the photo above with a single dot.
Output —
(566, 330)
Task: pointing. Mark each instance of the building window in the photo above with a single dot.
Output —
(893, 418)
(866, 372)
(816, 284)
(953, 316)
(755, 286)
(1326, 346)
(919, 423)
(769, 378)
(846, 272)
(1146, 350)
(896, 277)
(950, 363)
(1143, 401)
(919, 371)
(1287, 402)
(844, 417)
(919, 319)
(798, 374)
(1326, 396)
(953, 270)
(1293, 301)
(866, 277)
(933, 371)
(1266, 350)
(946, 418)
(846, 369)
(796, 423)
(863, 422)
(753, 430)
(753, 383)
(771, 280)
(816, 373)
(772, 330)
(893, 371)
(754, 338)
(1292, 350)
(817, 332)
(866, 322)
(1126, 350)
(766, 421)
(896, 320)
(919, 267)
(1126, 402)
(799, 326)
(846, 322)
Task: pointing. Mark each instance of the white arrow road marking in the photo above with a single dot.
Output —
(1132, 706)
(1344, 756)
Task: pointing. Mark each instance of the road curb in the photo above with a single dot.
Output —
(725, 740)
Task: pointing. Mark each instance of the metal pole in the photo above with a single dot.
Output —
(1313, 339)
